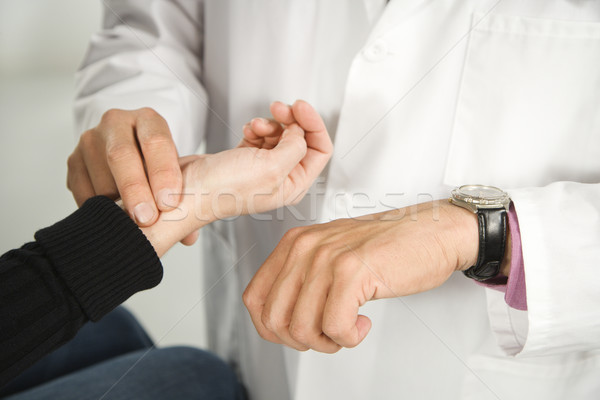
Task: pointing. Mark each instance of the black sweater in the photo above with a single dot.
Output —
(77, 270)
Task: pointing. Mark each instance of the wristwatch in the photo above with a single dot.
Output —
(490, 204)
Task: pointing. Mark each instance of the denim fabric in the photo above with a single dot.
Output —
(115, 359)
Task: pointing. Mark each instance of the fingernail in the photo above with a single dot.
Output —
(143, 213)
(167, 197)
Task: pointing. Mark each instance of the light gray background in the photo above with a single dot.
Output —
(41, 45)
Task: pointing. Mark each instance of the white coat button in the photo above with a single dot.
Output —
(376, 51)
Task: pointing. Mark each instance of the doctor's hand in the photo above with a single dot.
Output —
(308, 292)
(130, 155)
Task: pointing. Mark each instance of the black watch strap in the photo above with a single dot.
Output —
(492, 242)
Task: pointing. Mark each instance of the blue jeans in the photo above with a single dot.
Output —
(115, 359)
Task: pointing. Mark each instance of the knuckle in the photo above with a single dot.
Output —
(112, 115)
(345, 258)
(302, 348)
(156, 137)
(299, 333)
(270, 321)
(72, 162)
(293, 233)
(332, 329)
(249, 299)
(86, 139)
(339, 335)
(158, 145)
(324, 254)
(306, 241)
(263, 334)
(169, 174)
(130, 188)
(345, 263)
(148, 113)
(118, 151)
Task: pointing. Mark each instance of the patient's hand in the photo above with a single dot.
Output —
(273, 166)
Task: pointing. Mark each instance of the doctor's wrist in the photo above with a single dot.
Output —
(467, 235)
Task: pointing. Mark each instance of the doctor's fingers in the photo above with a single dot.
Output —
(93, 153)
(123, 158)
(341, 321)
(78, 179)
(160, 155)
(306, 325)
(281, 301)
(288, 312)
(258, 289)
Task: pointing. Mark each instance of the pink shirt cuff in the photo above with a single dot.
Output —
(513, 286)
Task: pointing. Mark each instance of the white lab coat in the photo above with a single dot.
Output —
(420, 96)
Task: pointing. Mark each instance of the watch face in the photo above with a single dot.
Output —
(480, 196)
(481, 192)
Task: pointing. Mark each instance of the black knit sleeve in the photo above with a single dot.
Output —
(77, 270)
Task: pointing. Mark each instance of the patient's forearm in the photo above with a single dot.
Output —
(77, 270)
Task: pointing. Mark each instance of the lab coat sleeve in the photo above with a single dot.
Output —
(560, 236)
(146, 55)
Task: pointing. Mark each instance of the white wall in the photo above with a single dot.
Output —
(41, 45)
(43, 36)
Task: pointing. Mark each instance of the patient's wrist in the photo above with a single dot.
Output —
(172, 226)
